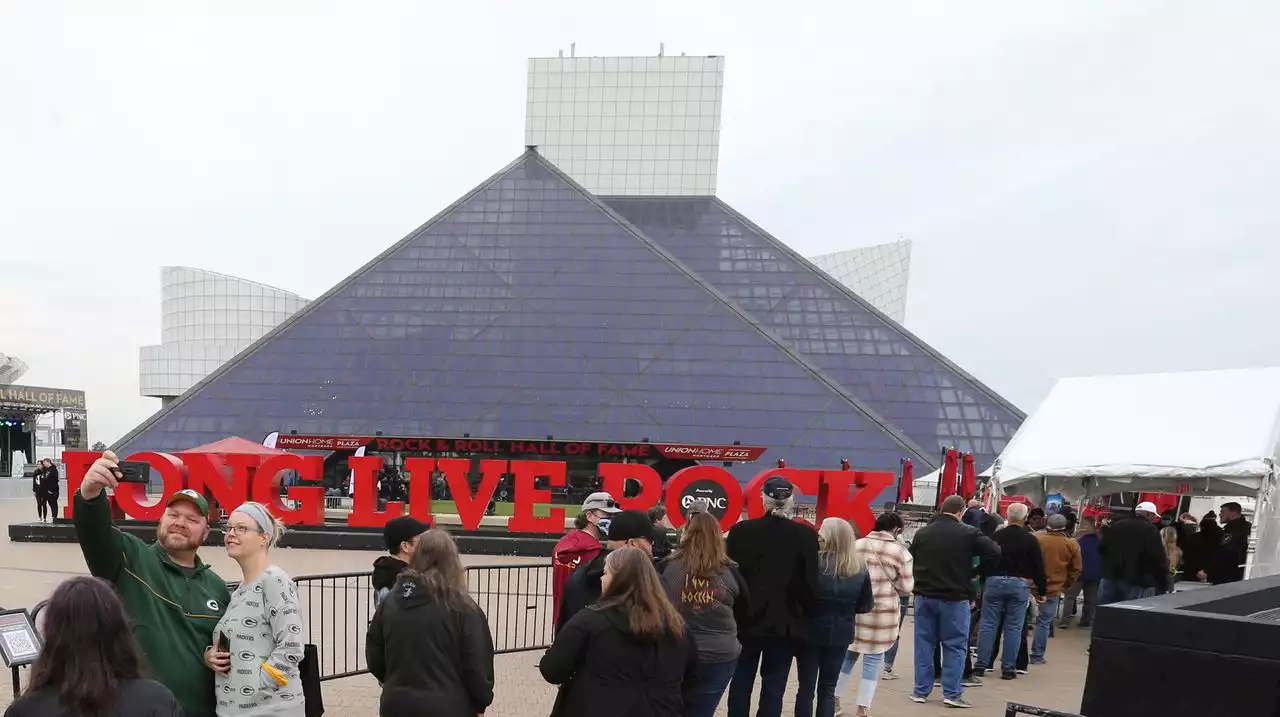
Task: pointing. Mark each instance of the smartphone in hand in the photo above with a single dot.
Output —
(224, 643)
(132, 471)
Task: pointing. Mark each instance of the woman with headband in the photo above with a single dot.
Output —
(258, 643)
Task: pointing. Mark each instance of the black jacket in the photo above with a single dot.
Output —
(604, 669)
(1132, 552)
(386, 570)
(581, 589)
(138, 698)
(661, 544)
(430, 660)
(1200, 549)
(943, 552)
(1229, 556)
(1020, 556)
(779, 560)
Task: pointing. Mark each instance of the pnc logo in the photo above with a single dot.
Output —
(687, 502)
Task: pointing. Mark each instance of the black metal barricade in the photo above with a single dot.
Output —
(338, 608)
(517, 601)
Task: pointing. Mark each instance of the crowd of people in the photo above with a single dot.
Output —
(647, 628)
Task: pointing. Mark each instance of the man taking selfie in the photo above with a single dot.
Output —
(174, 600)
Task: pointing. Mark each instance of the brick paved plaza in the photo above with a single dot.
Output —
(29, 572)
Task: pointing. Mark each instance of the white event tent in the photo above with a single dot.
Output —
(1200, 433)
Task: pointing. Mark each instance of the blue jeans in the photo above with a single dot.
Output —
(1003, 599)
(892, 654)
(818, 669)
(713, 678)
(772, 657)
(1110, 591)
(944, 622)
(1044, 621)
(872, 665)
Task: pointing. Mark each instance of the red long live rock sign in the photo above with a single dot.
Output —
(228, 480)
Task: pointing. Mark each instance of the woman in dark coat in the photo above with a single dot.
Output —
(429, 643)
(628, 655)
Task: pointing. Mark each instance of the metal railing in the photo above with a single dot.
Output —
(1013, 709)
(338, 607)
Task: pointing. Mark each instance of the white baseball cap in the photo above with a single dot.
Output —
(1146, 506)
(600, 501)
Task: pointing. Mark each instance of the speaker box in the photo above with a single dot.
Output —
(1207, 651)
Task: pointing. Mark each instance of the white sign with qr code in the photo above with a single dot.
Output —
(19, 645)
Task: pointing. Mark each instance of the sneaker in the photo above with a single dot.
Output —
(889, 674)
(957, 702)
(918, 698)
(971, 681)
(937, 683)
(1021, 671)
(1037, 661)
(839, 711)
(979, 672)
(1008, 675)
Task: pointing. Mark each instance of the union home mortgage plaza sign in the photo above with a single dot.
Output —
(228, 480)
(553, 448)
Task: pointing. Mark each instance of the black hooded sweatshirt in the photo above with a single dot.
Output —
(386, 570)
(431, 660)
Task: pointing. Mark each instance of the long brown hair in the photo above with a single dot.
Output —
(634, 587)
(437, 569)
(702, 552)
(89, 648)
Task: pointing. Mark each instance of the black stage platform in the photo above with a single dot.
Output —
(331, 536)
(1210, 651)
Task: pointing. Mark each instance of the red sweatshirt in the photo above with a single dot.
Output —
(575, 548)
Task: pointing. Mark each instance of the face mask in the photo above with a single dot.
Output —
(603, 525)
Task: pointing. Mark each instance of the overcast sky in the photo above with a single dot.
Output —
(1091, 186)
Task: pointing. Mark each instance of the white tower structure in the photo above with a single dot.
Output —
(878, 274)
(629, 125)
(207, 319)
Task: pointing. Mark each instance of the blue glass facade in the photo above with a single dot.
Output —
(527, 309)
(892, 373)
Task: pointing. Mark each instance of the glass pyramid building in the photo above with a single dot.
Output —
(531, 307)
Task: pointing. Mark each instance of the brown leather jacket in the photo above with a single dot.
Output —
(1062, 564)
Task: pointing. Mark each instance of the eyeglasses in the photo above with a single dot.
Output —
(240, 530)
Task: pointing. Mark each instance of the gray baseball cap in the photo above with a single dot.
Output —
(600, 501)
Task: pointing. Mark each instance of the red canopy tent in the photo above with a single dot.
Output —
(235, 444)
